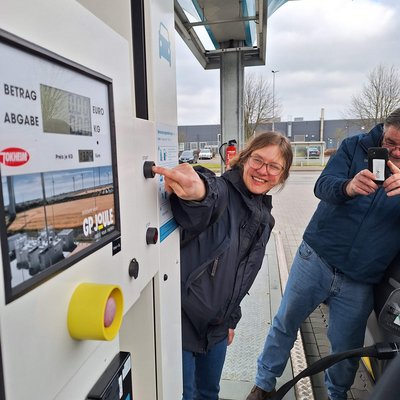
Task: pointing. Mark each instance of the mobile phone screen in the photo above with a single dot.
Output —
(377, 163)
(378, 168)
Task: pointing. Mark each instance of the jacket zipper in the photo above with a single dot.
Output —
(214, 268)
(213, 271)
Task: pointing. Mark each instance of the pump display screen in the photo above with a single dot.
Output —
(58, 193)
(65, 112)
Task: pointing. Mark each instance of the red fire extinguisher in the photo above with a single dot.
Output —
(230, 152)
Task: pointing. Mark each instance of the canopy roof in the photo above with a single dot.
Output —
(210, 27)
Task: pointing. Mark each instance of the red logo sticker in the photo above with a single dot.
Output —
(14, 156)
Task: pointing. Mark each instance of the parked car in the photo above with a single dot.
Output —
(188, 156)
(313, 152)
(205, 154)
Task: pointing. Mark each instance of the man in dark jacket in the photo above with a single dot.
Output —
(349, 242)
(225, 225)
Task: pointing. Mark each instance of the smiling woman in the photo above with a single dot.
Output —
(225, 224)
(271, 150)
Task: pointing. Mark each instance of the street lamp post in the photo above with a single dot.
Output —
(273, 98)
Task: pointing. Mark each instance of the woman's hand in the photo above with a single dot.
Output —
(231, 334)
(184, 181)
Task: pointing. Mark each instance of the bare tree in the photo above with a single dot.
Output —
(379, 96)
(339, 135)
(258, 104)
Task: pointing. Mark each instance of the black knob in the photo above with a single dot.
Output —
(133, 268)
(151, 235)
(148, 169)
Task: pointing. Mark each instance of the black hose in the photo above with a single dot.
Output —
(379, 350)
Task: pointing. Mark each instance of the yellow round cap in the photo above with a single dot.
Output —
(95, 311)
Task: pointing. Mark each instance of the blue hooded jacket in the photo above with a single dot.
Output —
(359, 235)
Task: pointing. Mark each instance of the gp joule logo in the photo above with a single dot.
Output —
(14, 156)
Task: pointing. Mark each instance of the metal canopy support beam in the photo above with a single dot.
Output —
(231, 78)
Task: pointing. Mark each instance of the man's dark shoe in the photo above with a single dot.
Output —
(258, 394)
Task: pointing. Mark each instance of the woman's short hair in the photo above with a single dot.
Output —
(262, 140)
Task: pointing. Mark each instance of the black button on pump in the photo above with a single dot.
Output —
(148, 169)
(151, 235)
(133, 268)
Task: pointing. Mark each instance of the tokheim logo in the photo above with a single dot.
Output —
(14, 156)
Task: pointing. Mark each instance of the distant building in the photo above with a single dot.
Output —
(197, 137)
(332, 132)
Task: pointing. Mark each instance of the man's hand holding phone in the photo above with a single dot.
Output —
(363, 184)
(392, 184)
(386, 172)
(377, 163)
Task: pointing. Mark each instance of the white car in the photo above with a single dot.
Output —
(205, 154)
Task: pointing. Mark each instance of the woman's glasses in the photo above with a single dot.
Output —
(272, 168)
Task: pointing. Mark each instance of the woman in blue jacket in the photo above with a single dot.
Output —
(225, 225)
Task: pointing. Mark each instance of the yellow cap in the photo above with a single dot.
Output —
(87, 312)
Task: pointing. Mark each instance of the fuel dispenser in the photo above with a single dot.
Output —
(89, 250)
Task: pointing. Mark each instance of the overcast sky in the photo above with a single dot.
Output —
(323, 50)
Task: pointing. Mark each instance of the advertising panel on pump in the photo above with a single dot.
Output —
(59, 197)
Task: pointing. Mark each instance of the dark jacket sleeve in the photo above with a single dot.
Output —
(235, 318)
(333, 179)
(195, 216)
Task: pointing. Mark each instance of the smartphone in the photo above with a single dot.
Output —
(377, 163)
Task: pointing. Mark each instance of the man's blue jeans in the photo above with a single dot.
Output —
(311, 281)
(202, 373)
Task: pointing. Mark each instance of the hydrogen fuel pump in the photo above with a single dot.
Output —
(89, 270)
(230, 152)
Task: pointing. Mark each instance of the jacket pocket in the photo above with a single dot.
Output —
(207, 291)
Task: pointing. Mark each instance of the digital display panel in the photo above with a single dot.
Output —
(58, 194)
(65, 112)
